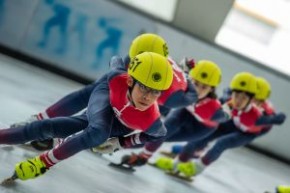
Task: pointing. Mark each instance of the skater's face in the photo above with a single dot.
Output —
(202, 89)
(240, 100)
(142, 96)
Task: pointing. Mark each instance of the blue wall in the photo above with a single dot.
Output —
(78, 35)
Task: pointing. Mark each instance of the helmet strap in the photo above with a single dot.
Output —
(130, 89)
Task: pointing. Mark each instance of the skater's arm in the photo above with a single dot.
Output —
(71, 103)
(276, 119)
(182, 98)
(155, 133)
(220, 116)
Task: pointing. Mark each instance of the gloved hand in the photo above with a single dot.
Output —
(186, 64)
(276, 119)
(110, 146)
(279, 118)
(135, 159)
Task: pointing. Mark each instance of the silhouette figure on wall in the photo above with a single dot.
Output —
(111, 41)
(80, 29)
(60, 20)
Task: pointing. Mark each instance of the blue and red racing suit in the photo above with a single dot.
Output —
(240, 130)
(109, 114)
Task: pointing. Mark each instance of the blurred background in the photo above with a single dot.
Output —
(76, 39)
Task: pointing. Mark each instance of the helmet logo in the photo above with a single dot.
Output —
(165, 50)
(134, 64)
(204, 75)
(243, 83)
(156, 77)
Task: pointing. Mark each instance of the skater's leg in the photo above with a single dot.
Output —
(232, 140)
(41, 130)
(66, 106)
(71, 103)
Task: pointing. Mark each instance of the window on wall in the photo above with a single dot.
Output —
(163, 9)
(259, 29)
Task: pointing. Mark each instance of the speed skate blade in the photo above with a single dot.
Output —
(168, 154)
(9, 181)
(178, 176)
(122, 167)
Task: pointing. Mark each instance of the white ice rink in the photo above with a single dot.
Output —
(25, 90)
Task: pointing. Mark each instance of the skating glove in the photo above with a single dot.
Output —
(276, 119)
(134, 160)
(279, 118)
(186, 64)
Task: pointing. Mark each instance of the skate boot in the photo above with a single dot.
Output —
(164, 163)
(183, 171)
(172, 168)
(283, 189)
(30, 168)
(189, 169)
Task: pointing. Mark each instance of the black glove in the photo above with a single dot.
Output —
(135, 159)
(279, 118)
(276, 119)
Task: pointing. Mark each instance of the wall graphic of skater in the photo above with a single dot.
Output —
(111, 41)
(60, 20)
(79, 29)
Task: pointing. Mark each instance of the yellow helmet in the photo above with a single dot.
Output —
(152, 70)
(263, 89)
(148, 43)
(206, 72)
(244, 81)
